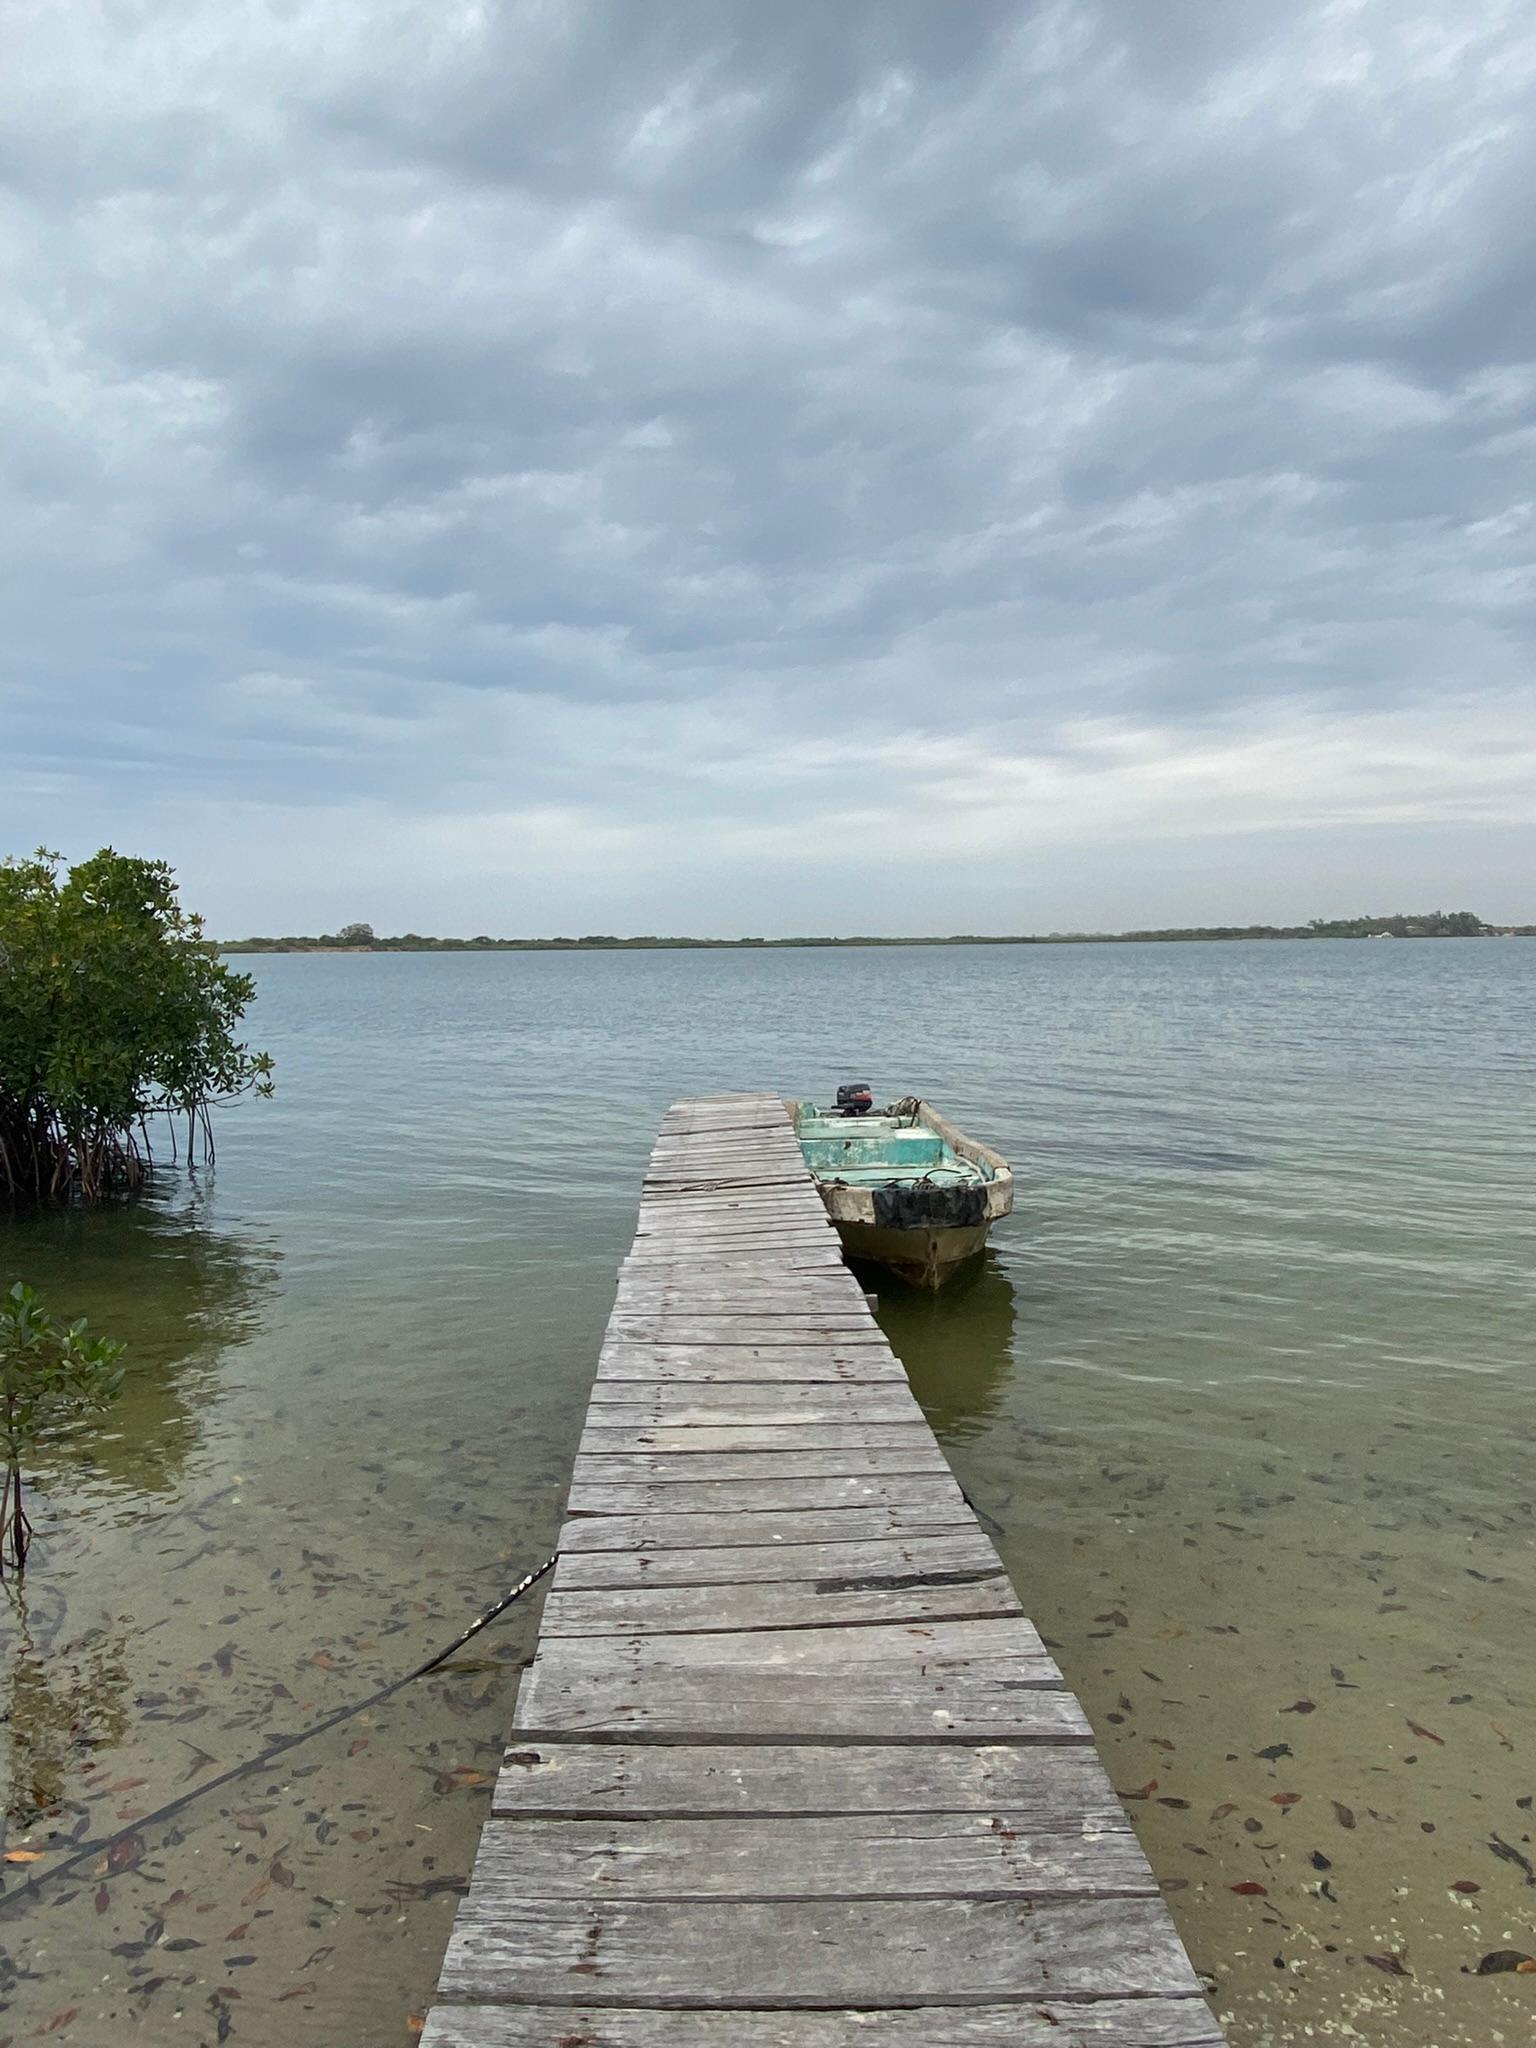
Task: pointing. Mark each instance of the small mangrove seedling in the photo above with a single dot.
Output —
(52, 1376)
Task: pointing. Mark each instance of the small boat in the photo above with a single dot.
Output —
(905, 1188)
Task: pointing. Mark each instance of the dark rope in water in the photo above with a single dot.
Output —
(279, 1746)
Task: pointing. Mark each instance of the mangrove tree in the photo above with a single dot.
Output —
(115, 1012)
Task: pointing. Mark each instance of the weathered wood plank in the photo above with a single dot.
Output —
(707, 1245)
(840, 1856)
(691, 1440)
(740, 1363)
(694, 1151)
(807, 1603)
(740, 1281)
(1038, 1781)
(682, 1404)
(661, 1702)
(685, 1405)
(736, 1495)
(927, 1682)
(685, 1468)
(848, 1564)
(1035, 2023)
(813, 1952)
(795, 1263)
(811, 1299)
(792, 1239)
(743, 1211)
(695, 1409)
(750, 1262)
(744, 1369)
(666, 1529)
(819, 1307)
(726, 1179)
(677, 1328)
(686, 1218)
(959, 1649)
(692, 1404)
(710, 1207)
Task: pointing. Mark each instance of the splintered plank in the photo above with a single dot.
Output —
(926, 1682)
(703, 1496)
(742, 1207)
(672, 1231)
(843, 1332)
(738, 1451)
(812, 1952)
(783, 1264)
(848, 1566)
(807, 1282)
(840, 1856)
(689, 1468)
(805, 1603)
(815, 1297)
(1039, 1783)
(662, 1441)
(712, 1207)
(1039, 2023)
(956, 1648)
(695, 1410)
(749, 1429)
(682, 1403)
(665, 1528)
(776, 1364)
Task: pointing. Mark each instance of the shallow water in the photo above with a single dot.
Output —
(1243, 1391)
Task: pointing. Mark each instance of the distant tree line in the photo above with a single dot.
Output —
(1428, 924)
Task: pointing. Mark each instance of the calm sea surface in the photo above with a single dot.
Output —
(1244, 1390)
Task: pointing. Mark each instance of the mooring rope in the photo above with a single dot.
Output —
(279, 1746)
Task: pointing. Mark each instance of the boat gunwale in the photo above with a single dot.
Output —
(847, 1202)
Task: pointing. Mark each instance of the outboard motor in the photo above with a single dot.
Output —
(854, 1099)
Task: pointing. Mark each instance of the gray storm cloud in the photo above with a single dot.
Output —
(713, 466)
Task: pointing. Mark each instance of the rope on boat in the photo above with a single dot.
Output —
(279, 1746)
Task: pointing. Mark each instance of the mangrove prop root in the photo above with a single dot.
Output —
(103, 1844)
(43, 1160)
(15, 1526)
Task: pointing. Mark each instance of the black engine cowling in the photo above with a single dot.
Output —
(854, 1099)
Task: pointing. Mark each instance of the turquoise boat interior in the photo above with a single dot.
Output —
(872, 1151)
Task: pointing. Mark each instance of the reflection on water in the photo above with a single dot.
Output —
(1243, 1390)
(956, 1343)
(160, 1276)
(63, 1699)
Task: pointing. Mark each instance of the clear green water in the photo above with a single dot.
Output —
(1243, 1387)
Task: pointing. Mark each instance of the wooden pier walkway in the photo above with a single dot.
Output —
(790, 1768)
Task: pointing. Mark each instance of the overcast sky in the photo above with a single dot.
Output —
(704, 465)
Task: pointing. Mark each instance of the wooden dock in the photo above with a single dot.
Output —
(790, 1768)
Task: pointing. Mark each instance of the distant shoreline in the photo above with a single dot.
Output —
(1457, 924)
